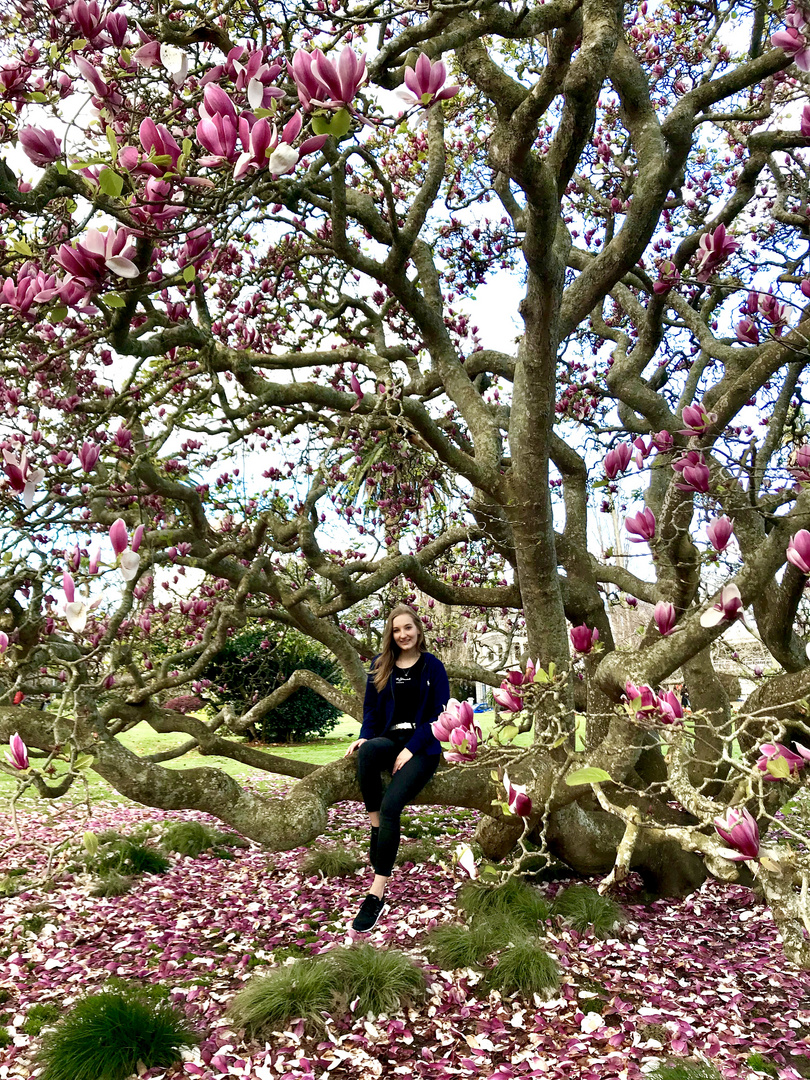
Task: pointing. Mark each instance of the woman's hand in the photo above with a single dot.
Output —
(403, 757)
(354, 746)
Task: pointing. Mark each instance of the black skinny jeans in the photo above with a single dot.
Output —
(374, 757)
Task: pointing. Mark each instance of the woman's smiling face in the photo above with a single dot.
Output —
(405, 633)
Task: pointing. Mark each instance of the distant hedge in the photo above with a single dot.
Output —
(254, 663)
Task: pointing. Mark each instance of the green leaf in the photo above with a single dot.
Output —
(552, 667)
(79, 44)
(189, 272)
(110, 183)
(114, 300)
(90, 841)
(541, 676)
(493, 775)
(559, 742)
(489, 870)
(83, 761)
(111, 139)
(588, 775)
(22, 248)
(508, 733)
(58, 313)
(37, 96)
(337, 125)
(779, 768)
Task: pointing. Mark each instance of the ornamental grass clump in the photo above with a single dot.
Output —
(456, 946)
(113, 884)
(522, 903)
(332, 862)
(418, 851)
(582, 908)
(303, 990)
(192, 838)
(685, 1070)
(125, 856)
(525, 968)
(109, 1036)
(380, 980)
(40, 1016)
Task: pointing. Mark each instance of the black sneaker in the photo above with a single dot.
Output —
(370, 911)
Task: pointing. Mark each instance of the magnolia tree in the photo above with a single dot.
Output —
(241, 385)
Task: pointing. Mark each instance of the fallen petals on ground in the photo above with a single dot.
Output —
(704, 977)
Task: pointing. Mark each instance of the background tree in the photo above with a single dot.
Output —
(237, 351)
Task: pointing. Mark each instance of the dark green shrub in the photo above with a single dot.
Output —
(252, 664)
(514, 898)
(583, 907)
(332, 862)
(382, 980)
(5, 1037)
(525, 968)
(300, 991)
(106, 1035)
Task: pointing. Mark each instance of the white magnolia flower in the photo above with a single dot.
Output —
(176, 63)
(283, 158)
(129, 563)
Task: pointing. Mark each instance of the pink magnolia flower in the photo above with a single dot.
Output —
(697, 419)
(664, 615)
(426, 82)
(641, 525)
(218, 126)
(694, 472)
(670, 707)
(89, 455)
(801, 463)
(3, 642)
(119, 537)
(798, 551)
(17, 753)
(747, 332)
(663, 441)
(87, 18)
(96, 252)
(148, 55)
(740, 832)
(643, 450)
(160, 148)
(40, 145)
(720, 532)
(463, 744)
(324, 84)
(713, 249)
(728, 606)
(617, 460)
(792, 41)
(803, 751)
(21, 476)
(778, 762)
(517, 800)
(668, 276)
(648, 700)
(506, 698)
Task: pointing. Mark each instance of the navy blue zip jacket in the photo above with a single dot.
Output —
(434, 693)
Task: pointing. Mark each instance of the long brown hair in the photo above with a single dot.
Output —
(389, 651)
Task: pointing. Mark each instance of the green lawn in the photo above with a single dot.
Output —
(143, 740)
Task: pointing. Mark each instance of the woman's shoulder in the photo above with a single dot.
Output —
(432, 661)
